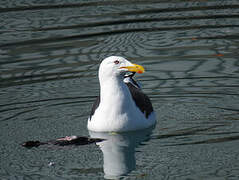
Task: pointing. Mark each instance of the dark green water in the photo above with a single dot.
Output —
(49, 57)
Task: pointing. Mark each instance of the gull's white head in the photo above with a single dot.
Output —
(116, 66)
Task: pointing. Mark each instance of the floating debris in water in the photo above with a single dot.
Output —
(64, 141)
(31, 144)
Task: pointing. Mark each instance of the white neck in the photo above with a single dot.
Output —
(114, 93)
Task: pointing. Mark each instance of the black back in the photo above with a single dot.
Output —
(141, 100)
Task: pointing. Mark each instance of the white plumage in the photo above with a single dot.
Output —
(121, 106)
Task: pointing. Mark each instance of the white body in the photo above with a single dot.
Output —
(117, 112)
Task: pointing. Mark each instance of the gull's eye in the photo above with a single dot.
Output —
(116, 62)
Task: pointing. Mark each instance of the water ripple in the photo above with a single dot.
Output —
(114, 32)
(49, 58)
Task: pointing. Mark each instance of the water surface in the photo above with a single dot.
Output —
(49, 57)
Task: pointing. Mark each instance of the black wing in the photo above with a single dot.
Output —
(141, 100)
(95, 106)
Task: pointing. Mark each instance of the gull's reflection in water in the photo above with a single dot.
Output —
(119, 151)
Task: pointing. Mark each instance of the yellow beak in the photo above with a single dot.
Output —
(135, 68)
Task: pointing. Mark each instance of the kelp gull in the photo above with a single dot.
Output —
(121, 106)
